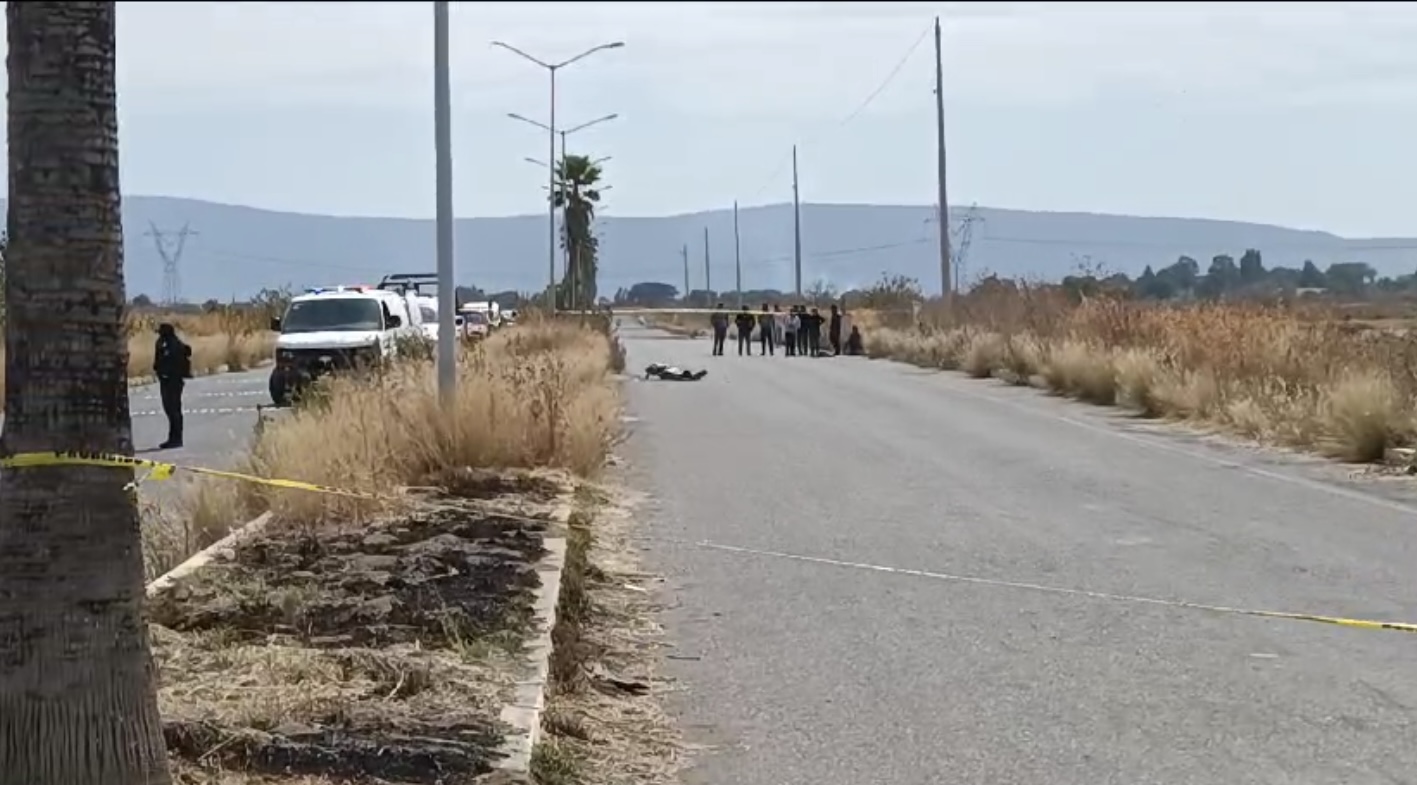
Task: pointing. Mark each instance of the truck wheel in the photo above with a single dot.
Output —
(280, 393)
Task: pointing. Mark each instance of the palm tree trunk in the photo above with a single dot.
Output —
(77, 704)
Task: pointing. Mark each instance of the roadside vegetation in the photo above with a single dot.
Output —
(226, 338)
(604, 724)
(1297, 376)
(377, 640)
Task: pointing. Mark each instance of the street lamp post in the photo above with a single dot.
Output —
(552, 68)
(595, 161)
(570, 270)
(443, 156)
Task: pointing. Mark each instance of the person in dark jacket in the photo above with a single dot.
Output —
(172, 365)
(854, 345)
(804, 322)
(719, 322)
(814, 332)
(834, 330)
(744, 321)
(766, 328)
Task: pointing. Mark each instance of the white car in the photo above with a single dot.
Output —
(428, 308)
(326, 330)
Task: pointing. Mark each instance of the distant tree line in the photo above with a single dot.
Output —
(1226, 278)
(1223, 278)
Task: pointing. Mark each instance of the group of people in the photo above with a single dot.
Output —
(798, 330)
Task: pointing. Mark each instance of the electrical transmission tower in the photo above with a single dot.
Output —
(171, 259)
(964, 235)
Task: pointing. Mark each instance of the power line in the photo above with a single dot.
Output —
(853, 114)
(890, 77)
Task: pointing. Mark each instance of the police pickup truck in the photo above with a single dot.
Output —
(339, 328)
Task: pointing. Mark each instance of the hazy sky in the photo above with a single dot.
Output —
(1301, 114)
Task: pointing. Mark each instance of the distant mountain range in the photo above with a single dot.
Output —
(236, 251)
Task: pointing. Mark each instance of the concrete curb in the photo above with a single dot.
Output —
(225, 547)
(529, 696)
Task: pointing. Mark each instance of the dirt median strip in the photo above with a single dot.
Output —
(373, 651)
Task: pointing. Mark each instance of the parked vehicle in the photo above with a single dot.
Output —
(340, 328)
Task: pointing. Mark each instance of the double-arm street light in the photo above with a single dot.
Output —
(567, 132)
(551, 186)
(552, 68)
(594, 162)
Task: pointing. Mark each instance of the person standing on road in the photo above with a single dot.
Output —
(744, 322)
(789, 332)
(766, 329)
(779, 327)
(804, 325)
(834, 330)
(719, 322)
(172, 365)
(814, 332)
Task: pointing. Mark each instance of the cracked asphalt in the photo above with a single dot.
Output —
(827, 674)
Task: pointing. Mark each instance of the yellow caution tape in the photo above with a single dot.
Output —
(160, 470)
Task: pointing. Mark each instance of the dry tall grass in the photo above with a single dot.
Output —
(1276, 374)
(228, 339)
(538, 395)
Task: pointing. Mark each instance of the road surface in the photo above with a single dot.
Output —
(220, 420)
(220, 417)
(814, 673)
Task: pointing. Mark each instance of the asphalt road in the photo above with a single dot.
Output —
(219, 417)
(220, 420)
(824, 674)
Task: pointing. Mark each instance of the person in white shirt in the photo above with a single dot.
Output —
(789, 325)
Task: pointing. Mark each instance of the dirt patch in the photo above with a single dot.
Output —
(380, 652)
(431, 578)
(605, 723)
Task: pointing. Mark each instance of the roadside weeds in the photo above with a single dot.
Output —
(305, 621)
(1261, 373)
(604, 723)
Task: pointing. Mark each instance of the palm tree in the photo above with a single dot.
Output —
(77, 700)
(577, 193)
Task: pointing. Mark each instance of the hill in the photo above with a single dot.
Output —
(239, 250)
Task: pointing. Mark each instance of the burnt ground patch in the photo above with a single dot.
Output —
(380, 652)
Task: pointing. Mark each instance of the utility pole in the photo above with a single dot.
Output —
(171, 261)
(443, 201)
(737, 258)
(946, 291)
(796, 226)
(708, 274)
(685, 252)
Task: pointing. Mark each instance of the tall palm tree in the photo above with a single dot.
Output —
(577, 193)
(77, 701)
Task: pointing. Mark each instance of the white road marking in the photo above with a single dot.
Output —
(189, 412)
(213, 394)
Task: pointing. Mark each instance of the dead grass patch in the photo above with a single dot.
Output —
(225, 340)
(680, 324)
(603, 722)
(538, 395)
(360, 642)
(1289, 376)
(376, 651)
